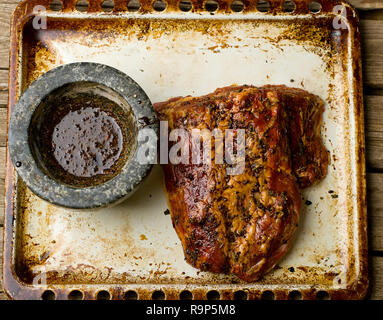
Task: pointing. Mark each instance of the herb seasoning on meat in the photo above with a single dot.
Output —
(243, 224)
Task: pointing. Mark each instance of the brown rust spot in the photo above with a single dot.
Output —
(143, 237)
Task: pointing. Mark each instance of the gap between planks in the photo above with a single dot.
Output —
(373, 107)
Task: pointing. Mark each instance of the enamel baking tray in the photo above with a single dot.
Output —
(131, 250)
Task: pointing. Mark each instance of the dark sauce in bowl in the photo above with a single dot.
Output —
(84, 140)
(87, 142)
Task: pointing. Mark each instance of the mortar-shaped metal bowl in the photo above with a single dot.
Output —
(114, 109)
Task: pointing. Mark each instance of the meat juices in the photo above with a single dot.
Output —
(84, 140)
(243, 224)
(87, 142)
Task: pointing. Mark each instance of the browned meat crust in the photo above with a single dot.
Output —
(310, 157)
(243, 224)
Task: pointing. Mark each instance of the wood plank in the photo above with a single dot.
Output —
(367, 4)
(6, 9)
(2, 180)
(3, 86)
(373, 106)
(3, 127)
(2, 294)
(375, 210)
(376, 278)
(372, 52)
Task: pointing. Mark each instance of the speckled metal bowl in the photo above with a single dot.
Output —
(99, 80)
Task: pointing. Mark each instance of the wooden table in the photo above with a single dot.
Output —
(371, 14)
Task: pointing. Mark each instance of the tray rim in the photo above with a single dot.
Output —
(16, 289)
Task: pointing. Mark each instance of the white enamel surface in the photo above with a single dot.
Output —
(134, 241)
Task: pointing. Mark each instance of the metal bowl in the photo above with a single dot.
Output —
(38, 111)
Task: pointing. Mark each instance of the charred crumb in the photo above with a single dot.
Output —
(331, 191)
(308, 203)
(291, 269)
(193, 220)
(334, 196)
(205, 266)
(262, 207)
(166, 212)
(236, 256)
(241, 233)
(193, 254)
(246, 217)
